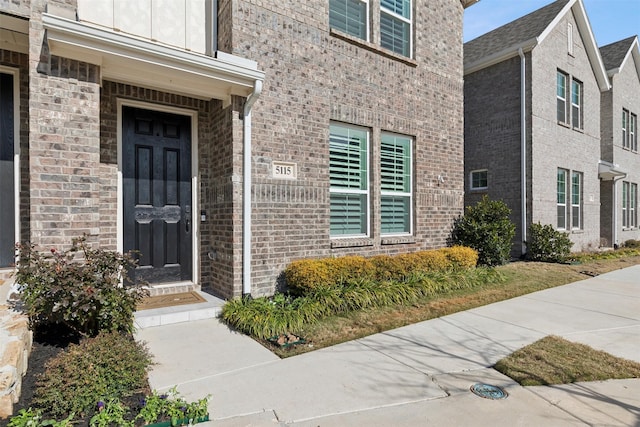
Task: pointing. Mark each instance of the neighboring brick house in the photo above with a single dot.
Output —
(224, 139)
(536, 83)
(619, 129)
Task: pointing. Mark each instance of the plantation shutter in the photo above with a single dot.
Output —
(349, 16)
(395, 170)
(348, 176)
(395, 33)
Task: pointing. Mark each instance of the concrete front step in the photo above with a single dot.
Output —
(181, 313)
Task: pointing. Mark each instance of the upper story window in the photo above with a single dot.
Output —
(395, 26)
(479, 180)
(349, 181)
(395, 23)
(570, 38)
(629, 130)
(576, 104)
(396, 177)
(561, 96)
(569, 100)
(350, 16)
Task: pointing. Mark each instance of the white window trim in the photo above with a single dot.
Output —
(633, 132)
(195, 185)
(367, 21)
(402, 18)
(16, 148)
(563, 98)
(578, 106)
(403, 194)
(629, 205)
(367, 192)
(625, 128)
(471, 187)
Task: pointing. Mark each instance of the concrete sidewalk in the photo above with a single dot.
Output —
(415, 375)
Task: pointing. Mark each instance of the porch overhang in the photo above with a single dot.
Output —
(609, 171)
(126, 59)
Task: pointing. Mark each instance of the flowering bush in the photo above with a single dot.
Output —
(80, 288)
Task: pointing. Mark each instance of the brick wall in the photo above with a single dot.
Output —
(493, 136)
(626, 87)
(64, 157)
(313, 77)
(557, 146)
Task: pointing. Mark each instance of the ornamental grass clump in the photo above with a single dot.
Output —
(80, 288)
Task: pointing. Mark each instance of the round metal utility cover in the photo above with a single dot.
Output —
(489, 391)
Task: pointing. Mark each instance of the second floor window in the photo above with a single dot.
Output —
(629, 130)
(561, 97)
(395, 26)
(576, 104)
(396, 22)
(569, 100)
(350, 16)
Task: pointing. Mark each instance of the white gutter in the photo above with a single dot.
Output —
(523, 148)
(246, 191)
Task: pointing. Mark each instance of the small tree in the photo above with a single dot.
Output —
(80, 288)
(486, 228)
(547, 244)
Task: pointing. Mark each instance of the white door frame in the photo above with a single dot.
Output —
(195, 186)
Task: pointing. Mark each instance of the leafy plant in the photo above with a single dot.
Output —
(109, 366)
(487, 228)
(547, 244)
(632, 244)
(171, 405)
(111, 413)
(80, 288)
(34, 418)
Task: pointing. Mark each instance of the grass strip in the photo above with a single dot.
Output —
(554, 360)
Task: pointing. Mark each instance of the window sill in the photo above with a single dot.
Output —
(578, 130)
(564, 125)
(353, 242)
(372, 47)
(397, 240)
(479, 190)
(577, 231)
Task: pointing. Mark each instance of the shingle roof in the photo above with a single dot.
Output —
(513, 33)
(613, 54)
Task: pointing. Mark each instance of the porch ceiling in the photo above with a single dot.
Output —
(137, 61)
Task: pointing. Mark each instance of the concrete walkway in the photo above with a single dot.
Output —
(417, 375)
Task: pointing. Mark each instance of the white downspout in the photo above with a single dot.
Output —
(523, 148)
(615, 211)
(246, 190)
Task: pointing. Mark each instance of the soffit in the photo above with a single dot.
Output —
(124, 58)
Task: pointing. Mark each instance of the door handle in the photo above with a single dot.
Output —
(187, 224)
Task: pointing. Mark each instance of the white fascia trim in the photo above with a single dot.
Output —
(634, 53)
(584, 28)
(501, 56)
(136, 58)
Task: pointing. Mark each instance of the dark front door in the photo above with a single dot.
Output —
(157, 211)
(7, 169)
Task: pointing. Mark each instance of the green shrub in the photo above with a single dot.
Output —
(109, 366)
(310, 275)
(632, 244)
(80, 288)
(486, 228)
(547, 244)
